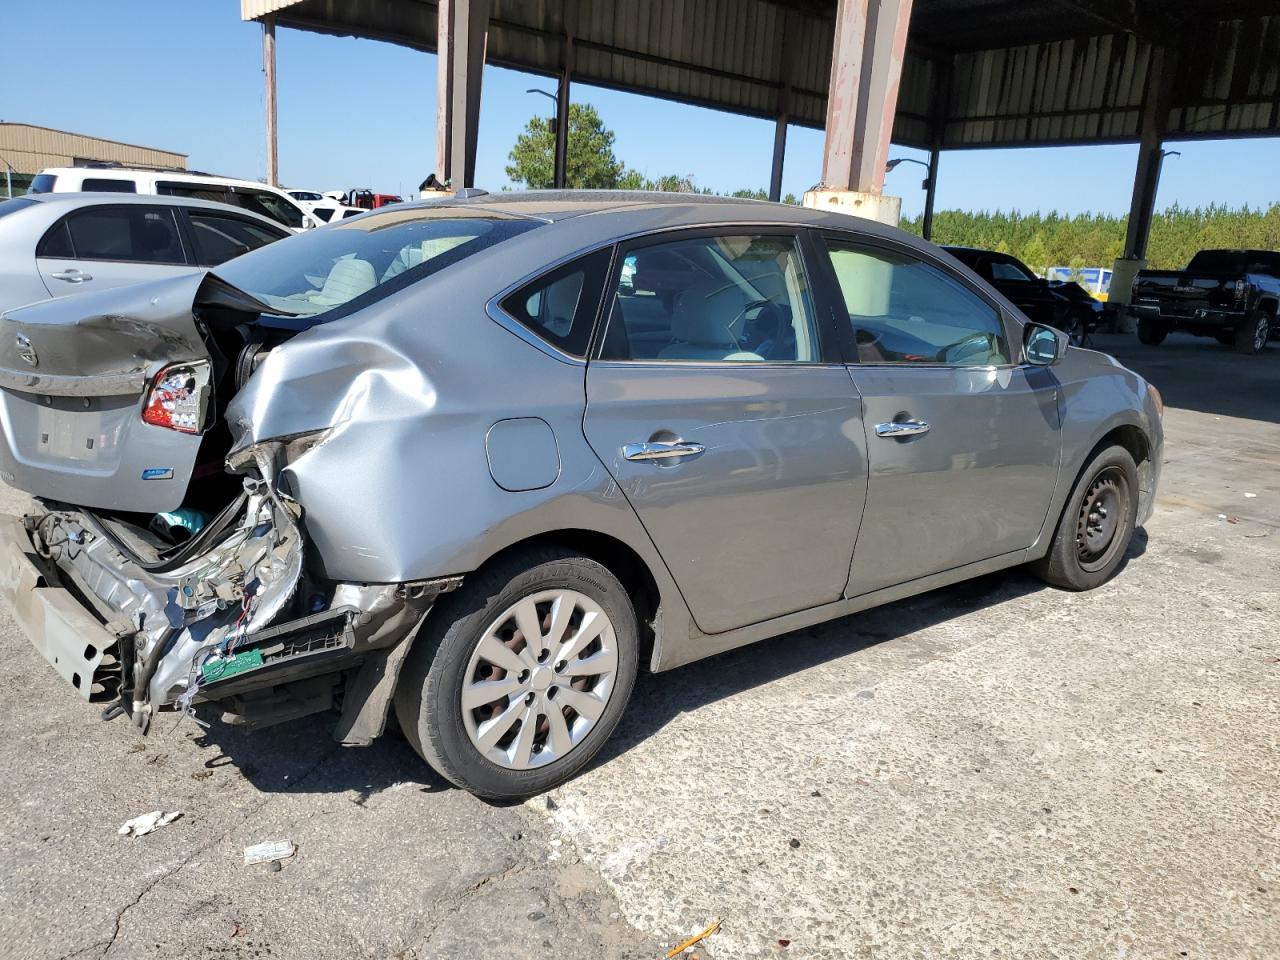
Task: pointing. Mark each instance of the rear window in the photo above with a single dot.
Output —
(350, 264)
(42, 183)
(108, 185)
(1235, 262)
(13, 206)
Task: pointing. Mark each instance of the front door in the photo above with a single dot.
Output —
(721, 410)
(963, 440)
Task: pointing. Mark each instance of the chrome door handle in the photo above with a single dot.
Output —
(660, 449)
(71, 276)
(902, 428)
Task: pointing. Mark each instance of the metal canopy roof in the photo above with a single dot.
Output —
(984, 73)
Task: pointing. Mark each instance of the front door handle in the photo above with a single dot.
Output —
(901, 428)
(71, 276)
(661, 449)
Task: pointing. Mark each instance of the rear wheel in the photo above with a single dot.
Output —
(1251, 336)
(1096, 524)
(521, 675)
(1151, 332)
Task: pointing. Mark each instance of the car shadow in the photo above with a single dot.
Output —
(301, 757)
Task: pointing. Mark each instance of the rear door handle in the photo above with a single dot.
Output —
(71, 276)
(901, 428)
(661, 449)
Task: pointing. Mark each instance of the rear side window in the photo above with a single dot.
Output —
(127, 234)
(108, 185)
(560, 307)
(217, 238)
(42, 183)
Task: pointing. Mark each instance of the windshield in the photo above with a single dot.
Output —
(1234, 262)
(365, 258)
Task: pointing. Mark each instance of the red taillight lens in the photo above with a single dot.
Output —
(179, 397)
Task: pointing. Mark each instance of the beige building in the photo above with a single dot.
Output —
(26, 149)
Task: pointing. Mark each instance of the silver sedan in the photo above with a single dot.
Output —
(58, 244)
(477, 461)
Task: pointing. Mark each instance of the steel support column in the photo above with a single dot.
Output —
(866, 68)
(1155, 124)
(784, 106)
(942, 70)
(779, 156)
(462, 26)
(269, 95)
(562, 114)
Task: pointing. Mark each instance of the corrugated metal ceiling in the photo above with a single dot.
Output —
(1022, 72)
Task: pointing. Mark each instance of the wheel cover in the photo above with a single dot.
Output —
(1102, 515)
(539, 679)
(1260, 333)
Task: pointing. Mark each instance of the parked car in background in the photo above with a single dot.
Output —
(336, 212)
(257, 198)
(1064, 305)
(449, 464)
(56, 244)
(1230, 295)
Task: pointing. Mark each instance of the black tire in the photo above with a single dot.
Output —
(1076, 326)
(1080, 558)
(1226, 339)
(1251, 336)
(1151, 332)
(428, 698)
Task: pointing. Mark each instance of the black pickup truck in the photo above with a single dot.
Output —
(1231, 295)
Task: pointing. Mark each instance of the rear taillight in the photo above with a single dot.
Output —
(179, 397)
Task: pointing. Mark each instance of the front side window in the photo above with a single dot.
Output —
(560, 307)
(133, 234)
(904, 310)
(740, 298)
(262, 202)
(365, 258)
(218, 238)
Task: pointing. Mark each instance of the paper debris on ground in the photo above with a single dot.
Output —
(694, 940)
(142, 825)
(269, 851)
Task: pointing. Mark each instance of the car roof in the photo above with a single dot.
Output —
(99, 198)
(125, 173)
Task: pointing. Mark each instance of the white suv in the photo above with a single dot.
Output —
(258, 198)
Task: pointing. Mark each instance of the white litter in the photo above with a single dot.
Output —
(1251, 496)
(1222, 516)
(269, 851)
(142, 825)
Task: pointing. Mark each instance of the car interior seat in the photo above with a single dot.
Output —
(703, 322)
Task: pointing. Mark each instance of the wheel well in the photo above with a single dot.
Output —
(1131, 438)
(622, 561)
(1267, 306)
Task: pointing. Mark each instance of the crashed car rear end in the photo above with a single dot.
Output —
(166, 563)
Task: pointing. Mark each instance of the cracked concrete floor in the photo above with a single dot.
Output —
(996, 769)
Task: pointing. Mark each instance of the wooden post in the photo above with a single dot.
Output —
(269, 70)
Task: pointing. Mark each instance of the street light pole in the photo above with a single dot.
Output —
(928, 185)
(561, 124)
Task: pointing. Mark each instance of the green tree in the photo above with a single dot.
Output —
(591, 163)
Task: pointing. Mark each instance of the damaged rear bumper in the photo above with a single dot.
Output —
(237, 621)
(68, 636)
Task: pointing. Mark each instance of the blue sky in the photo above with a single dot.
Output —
(361, 113)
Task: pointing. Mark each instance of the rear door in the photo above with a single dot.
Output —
(963, 440)
(719, 406)
(102, 246)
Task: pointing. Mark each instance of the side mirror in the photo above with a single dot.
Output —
(1043, 346)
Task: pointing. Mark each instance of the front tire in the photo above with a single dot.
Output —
(1096, 526)
(1251, 336)
(520, 676)
(1151, 332)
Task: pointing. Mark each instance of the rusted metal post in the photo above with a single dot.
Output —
(461, 30)
(866, 68)
(269, 74)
